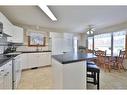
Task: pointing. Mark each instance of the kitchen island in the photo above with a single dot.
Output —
(69, 70)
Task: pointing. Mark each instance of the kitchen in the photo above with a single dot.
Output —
(17, 51)
(30, 49)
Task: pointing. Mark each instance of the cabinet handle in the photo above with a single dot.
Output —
(6, 74)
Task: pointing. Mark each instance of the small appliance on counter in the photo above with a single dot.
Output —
(9, 50)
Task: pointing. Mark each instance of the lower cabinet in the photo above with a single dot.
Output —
(31, 60)
(1, 77)
(6, 76)
(16, 71)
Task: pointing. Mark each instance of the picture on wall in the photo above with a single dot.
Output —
(36, 39)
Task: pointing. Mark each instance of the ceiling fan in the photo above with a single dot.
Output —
(90, 29)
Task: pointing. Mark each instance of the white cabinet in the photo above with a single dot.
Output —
(1, 77)
(15, 32)
(17, 35)
(6, 25)
(61, 43)
(44, 59)
(31, 60)
(24, 61)
(6, 76)
(17, 70)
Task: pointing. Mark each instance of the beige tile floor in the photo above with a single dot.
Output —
(41, 78)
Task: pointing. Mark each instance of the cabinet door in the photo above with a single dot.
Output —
(17, 70)
(33, 60)
(44, 59)
(18, 35)
(24, 61)
(6, 24)
(8, 75)
(1, 78)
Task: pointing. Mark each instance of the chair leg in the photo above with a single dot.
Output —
(98, 84)
(109, 67)
(95, 78)
(119, 67)
(104, 67)
(123, 67)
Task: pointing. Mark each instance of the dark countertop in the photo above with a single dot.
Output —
(34, 51)
(4, 59)
(73, 57)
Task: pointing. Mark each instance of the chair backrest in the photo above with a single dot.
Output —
(101, 55)
(122, 55)
(90, 51)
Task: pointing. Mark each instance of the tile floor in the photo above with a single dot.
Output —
(41, 78)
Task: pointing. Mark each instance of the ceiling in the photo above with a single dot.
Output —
(70, 18)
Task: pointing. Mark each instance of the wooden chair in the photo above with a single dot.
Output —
(120, 59)
(103, 61)
(99, 55)
(90, 51)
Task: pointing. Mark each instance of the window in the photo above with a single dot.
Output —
(118, 41)
(103, 42)
(90, 43)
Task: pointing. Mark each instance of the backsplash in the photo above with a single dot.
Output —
(3, 44)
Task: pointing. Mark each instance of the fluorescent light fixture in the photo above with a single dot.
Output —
(48, 12)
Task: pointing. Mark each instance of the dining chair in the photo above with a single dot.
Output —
(103, 61)
(90, 51)
(119, 61)
(99, 54)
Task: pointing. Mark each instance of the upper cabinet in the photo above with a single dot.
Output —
(17, 35)
(6, 25)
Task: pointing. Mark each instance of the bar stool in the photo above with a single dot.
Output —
(93, 72)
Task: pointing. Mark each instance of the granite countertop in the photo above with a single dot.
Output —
(73, 57)
(4, 59)
(34, 51)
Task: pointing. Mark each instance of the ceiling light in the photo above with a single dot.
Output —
(48, 12)
(90, 30)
